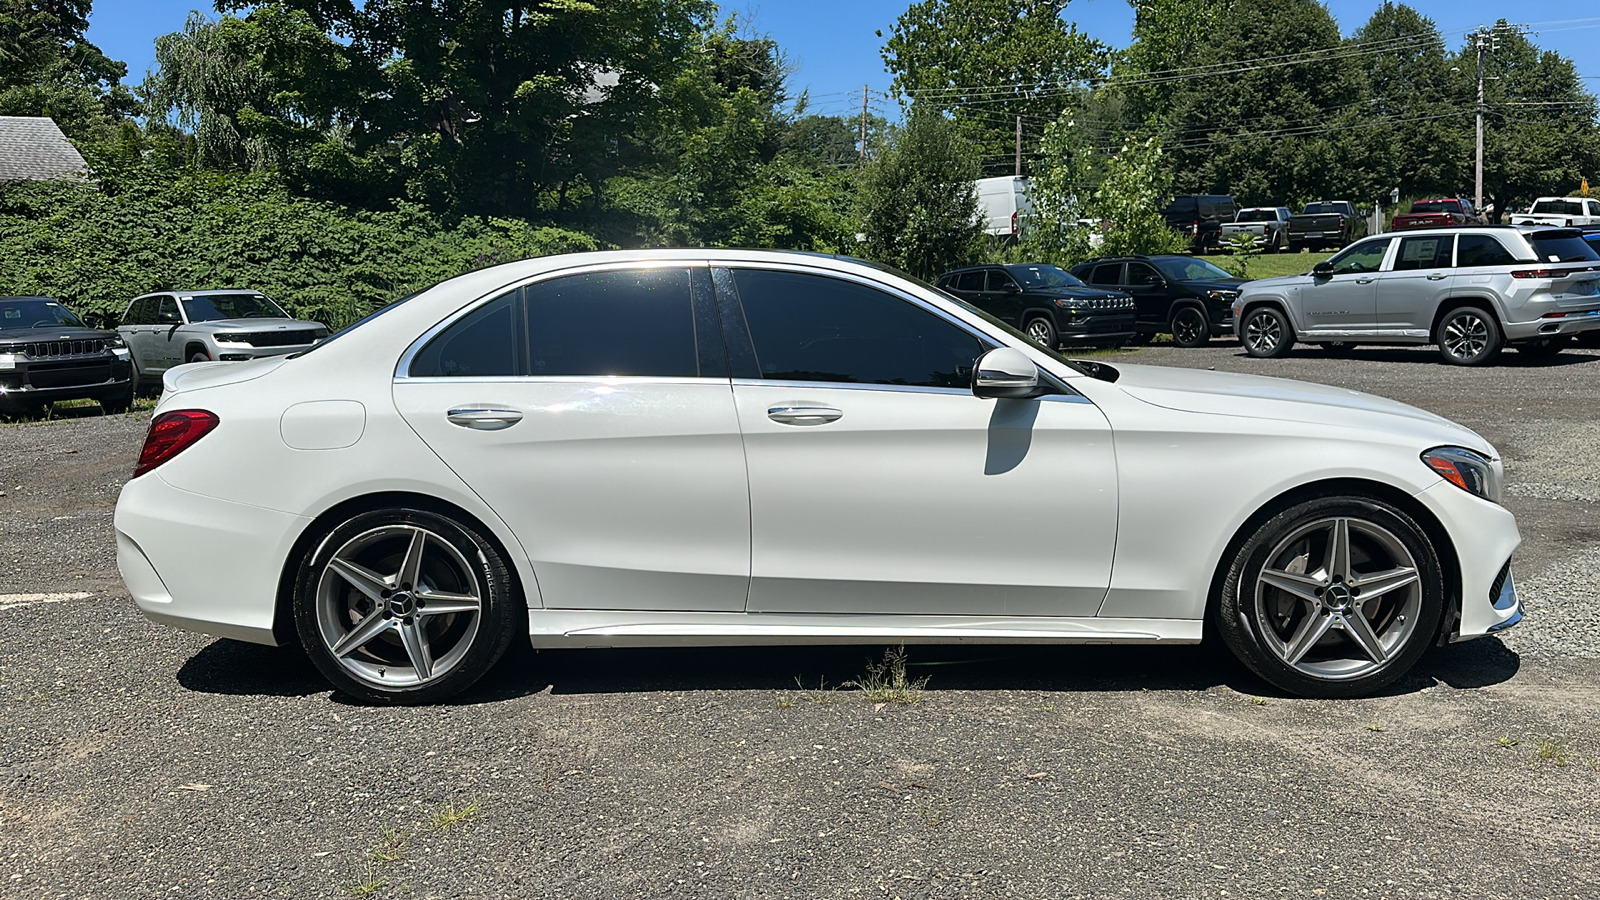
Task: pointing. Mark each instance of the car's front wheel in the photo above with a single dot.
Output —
(1042, 331)
(1189, 327)
(1266, 333)
(1332, 597)
(404, 606)
(1468, 336)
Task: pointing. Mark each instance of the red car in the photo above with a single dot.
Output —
(1438, 214)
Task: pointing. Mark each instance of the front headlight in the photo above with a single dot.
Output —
(115, 342)
(227, 338)
(1466, 469)
(1229, 296)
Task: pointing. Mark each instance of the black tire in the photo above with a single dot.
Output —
(199, 356)
(141, 387)
(1468, 336)
(1189, 327)
(1588, 339)
(1274, 630)
(1294, 247)
(330, 608)
(1265, 332)
(1041, 331)
(119, 403)
(1281, 244)
(1140, 338)
(1545, 348)
(1338, 348)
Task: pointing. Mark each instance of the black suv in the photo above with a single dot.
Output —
(1200, 217)
(47, 353)
(1047, 303)
(1188, 298)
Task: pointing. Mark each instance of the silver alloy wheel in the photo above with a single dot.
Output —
(1466, 335)
(1040, 332)
(405, 628)
(1262, 331)
(1338, 598)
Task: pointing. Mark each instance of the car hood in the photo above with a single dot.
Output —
(1277, 281)
(198, 376)
(1220, 284)
(1281, 399)
(55, 333)
(1077, 293)
(256, 324)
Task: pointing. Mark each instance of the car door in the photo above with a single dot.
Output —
(137, 330)
(592, 411)
(166, 345)
(1002, 296)
(878, 482)
(1409, 290)
(1150, 294)
(1343, 301)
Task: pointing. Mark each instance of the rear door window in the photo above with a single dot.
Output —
(809, 327)
(1426, 252)
(970, 281)
(1107, 273)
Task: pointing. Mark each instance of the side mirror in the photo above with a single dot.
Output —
(1005, 372)
(1322, 268)
(1011, 288)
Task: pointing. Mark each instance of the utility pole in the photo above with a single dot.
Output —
(1481, 40)
(864, 96)
(1019, 146)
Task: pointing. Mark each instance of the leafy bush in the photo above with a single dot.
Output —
(141, 225)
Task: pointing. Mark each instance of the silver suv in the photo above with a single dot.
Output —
(171, 328)
(1470, 290)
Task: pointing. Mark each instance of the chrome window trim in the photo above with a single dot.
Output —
(1069, 395)
(565, 379)
(404, 365)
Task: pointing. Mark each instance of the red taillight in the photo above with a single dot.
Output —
(171, 433)
(1013, 223)
(1541, 273)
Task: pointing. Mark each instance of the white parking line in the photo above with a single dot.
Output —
(12, 601)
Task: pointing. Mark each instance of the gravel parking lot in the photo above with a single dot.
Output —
(137, 761)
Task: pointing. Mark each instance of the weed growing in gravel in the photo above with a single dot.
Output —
(1509, 742)
(932, 812)
(820, 694)
(365, 885)
(886, 682)
(1259, 701)
(1375, 727)
(784, 701)
(452, 817)
(391, 847)
(1593, 763)
(1552, 750)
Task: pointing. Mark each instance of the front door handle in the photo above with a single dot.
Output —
(484, 418)
(804, 415)
(1363, 281)
(1436, 277)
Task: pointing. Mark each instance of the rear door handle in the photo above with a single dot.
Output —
(484, 418)
(1435, 277)
(1363, 281)
(804, 415)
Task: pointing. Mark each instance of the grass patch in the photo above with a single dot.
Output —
(1376, 727)
(452, 816)
(1552, 751)
(366, 884)
(391, 846)
(1271, 265)
(885, 681)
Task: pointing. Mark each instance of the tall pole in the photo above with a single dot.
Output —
(1019, 146)
(1477, 194)
(864, 123)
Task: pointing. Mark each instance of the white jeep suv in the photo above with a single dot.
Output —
(1469, 290)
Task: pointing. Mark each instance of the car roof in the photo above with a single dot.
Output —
(206, 293)
(30, 297)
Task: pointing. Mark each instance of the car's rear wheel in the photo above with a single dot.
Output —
(1266, 333)
(1333, 597)
(1544, 348)
(404, 606)
(1189, 327)
(1468, 336)
(1041, 331)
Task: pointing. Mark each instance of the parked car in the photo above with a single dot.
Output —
(1560, 211)
(1200, 216)
(1268, 224)
(1325, 223)
(170, 328)
(47, 353)
(780, 447)
(1051, 306)
(1186, 297)
(1441, 213)
(1468, 290)
(1003, 205)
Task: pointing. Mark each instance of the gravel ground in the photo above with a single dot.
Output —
(137, 761)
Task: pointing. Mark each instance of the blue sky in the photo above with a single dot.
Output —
(835, 46)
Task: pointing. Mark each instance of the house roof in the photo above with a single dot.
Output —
(32, 148)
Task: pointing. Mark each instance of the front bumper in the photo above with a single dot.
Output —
(200, 563)
(96, 377)
(229, 352)
(1485, 535)
(1094, 329)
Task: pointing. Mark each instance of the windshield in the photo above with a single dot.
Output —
(1188, 269)
(1562, 246)
(1043, 276)
(212, 307)
(1435, 206)
(1258, 215)
(1557, 208)
(1320, 209)
(35, 312)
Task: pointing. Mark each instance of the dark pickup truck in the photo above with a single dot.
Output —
(1325, 223)
(1441, 213)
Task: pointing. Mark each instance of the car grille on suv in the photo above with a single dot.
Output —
(56, 349)
(277, 338)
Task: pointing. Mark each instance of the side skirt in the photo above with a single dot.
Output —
(567, 628)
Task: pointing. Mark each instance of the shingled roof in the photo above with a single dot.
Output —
(32, 148)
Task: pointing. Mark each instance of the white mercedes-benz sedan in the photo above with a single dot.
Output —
(680, 448)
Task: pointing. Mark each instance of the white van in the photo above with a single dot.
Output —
(1003, 204)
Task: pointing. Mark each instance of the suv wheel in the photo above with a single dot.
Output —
(1041, 331)
(1468, 336)
(1189, 327)
(1266, 333)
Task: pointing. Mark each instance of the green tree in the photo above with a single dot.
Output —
(49, 68)
(1421, 145)
(919, 206)
(987, 62)
(1121, 191)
